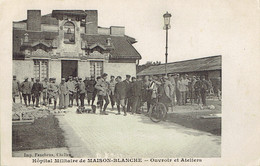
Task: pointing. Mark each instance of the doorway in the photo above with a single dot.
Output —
(69, 68)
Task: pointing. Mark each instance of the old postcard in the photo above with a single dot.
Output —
(130, 82)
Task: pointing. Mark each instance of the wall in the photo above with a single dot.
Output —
(83, 69)
(23, 68)
(55, 70)
(20, 25)
(120, 69)
(49, 28)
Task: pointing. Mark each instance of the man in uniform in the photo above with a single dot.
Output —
(76, 83)
(72, 91)
(26, 90)
(15, 88)
(54, 92)
(82, 92)
(112, 84)
(103, 92)
(45, 86)
(177, 90)
(63, 92)
(32, 95)
(137, 93)
(197, 88)
(128, 94)
(120, 95)
(91, 91)
(186, 83)
(204, 90)
(36, 91)
(173, 91)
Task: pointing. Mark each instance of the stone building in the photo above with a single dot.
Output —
(70, 42)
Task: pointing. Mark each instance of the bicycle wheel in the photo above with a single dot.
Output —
(157, 112)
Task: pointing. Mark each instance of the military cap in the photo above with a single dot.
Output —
(104, 75)
(80, 78)
(14, 76)
(128, 76)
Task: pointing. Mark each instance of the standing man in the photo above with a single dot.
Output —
(173, 90)
(26, 90)
(182, 88)
(177, 90)
(131, 95)
(54, 92)
(36, 91)
(112, 84)
(197, 88)
(45, 86)
(186, 84)
(63, 92)
(204, 90)
(32, 95)
(120, 94)
(137, 93)
(15, 88)
(76, 83)
(82, 92)
(103, 92)
(91, 91)
(192, 89)
(128, 94)
(72, 91)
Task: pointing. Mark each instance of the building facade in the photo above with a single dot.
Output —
(70, 43)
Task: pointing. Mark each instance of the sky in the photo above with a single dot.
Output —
(198, 29)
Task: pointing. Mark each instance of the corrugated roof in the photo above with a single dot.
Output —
(193, 65)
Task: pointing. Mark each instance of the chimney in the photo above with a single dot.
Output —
(91, 22)
(117, 30)
(34, 20)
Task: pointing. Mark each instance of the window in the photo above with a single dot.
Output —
(40, 69)
(96, 68)
(69, 33)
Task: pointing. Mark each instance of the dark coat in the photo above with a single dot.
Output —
(127, 88)
(90, 86)
(37, 88)
(163, 98)
(26, 87)
(120, 90)
(137, 88)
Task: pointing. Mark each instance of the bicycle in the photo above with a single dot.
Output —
(157, 111)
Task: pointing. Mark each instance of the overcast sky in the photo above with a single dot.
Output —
(204, 28)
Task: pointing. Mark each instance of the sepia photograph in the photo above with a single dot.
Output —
(82, 90)
(130, 82)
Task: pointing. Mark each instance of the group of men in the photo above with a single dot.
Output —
(129, 94)
(179, 88)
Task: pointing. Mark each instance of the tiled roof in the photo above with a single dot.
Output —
(193, 65)
(120, 45)
(46, 37)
